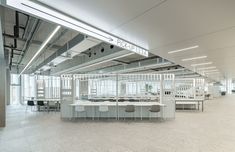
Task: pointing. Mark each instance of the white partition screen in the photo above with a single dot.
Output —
(191, 88)
(117, 91)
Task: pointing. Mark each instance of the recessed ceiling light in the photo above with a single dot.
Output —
(199, 64)
(194, 58)
(206, 68)
(185, 49)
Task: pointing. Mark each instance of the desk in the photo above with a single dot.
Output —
(114, 104)
(47, 101)
(182, 101)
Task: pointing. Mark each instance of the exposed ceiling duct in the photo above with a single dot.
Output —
(74, 47)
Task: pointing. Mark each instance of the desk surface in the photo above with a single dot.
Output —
(45, 99)
(125, 98)
(185, 99)
(89, 103)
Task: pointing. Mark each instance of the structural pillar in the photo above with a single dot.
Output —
(2, 93)
(2, 76)
(8, 81)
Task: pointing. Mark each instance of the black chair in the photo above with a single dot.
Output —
(40, 104)
(30, 103)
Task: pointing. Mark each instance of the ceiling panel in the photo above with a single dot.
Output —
(104, 14)
(163, 26)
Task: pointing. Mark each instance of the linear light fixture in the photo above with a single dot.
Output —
(207, 68)
(210, 71)
(184, 49)
(195, 58)
(41, 48)
(216, 72)
(47, 13)
(200, 64)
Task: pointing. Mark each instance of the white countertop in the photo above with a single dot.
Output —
(185, 99)
(108, 103)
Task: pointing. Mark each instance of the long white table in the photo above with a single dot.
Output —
(185, 101)
(115, 104)
(124, 98)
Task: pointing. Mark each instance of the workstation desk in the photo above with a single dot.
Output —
(48, 102)
(116, 109)
(185, 101)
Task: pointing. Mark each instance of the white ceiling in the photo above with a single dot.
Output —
(165, 25)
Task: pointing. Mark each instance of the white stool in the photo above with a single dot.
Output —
(103, 109)
(80, 109)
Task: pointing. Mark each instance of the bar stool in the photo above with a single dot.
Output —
(80, 109)
(130, 109)
(154, 109)
(103, 109)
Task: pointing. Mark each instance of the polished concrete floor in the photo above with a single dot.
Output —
(210, 131)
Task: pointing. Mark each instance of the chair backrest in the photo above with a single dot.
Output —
(155, 108)
(103, 108)
(30, 103)
(40, 103)
(52, 103)
(130, 108)
(79, 108)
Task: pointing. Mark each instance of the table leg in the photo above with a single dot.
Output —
(141, 113)
(163, 111)
(48, 106)
(93, 113)
(198, 105)
(202, 106)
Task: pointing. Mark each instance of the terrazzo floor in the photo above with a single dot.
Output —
(210, 131)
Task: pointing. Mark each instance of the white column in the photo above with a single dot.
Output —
(161, 89)
(117, 96)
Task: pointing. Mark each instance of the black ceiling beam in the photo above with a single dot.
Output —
(7, 46)
(76, 40)
(33, 41)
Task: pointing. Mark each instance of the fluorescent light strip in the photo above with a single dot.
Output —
(199, 64)
(61, 19)
(41, 48)
(185, 49)
(194, 58)
(206, 68)
(210, 71)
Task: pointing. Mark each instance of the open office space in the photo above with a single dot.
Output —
(117, 75)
